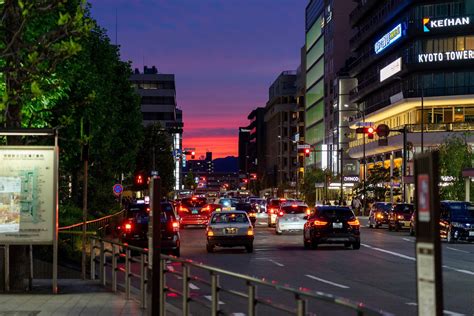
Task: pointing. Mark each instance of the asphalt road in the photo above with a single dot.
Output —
(381, 274)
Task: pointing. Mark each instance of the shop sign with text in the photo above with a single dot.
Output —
(446, 56)
(431, 24)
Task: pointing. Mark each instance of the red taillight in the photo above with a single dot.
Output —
(308, 211)
(128, 227)
(183, 209)
(175, 226)
(281, 213)
(319, 223)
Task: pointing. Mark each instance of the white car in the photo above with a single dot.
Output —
(291, 217)
(229, 229)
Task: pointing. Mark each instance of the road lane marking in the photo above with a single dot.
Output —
(457, 250)
(272, 261)
(327, 282)
(389, 252)
(277, 263)
(238, 314)
(210, 298)
(408, 239)
(193, 287)
(414, 259)
(459, 270)
(444, 311)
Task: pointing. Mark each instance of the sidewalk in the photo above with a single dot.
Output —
(76, 297)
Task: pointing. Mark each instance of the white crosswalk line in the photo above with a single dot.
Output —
(210, 298)
(327, 282)
(193, 287)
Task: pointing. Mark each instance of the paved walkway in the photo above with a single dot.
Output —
(76, 297)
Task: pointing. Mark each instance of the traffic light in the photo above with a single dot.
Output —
(140, 180)
(193, 154)
(370, 131)
(307, 151)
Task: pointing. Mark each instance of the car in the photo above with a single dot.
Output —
(379, 214)
(273, 207)
(192, 212)
(259, 204)
(399, 216)
(247, 208)
(134, 228)
(229, 229)
(457, 221)
(331, 225)
(291, 217)
(212, 207)
(228, 204)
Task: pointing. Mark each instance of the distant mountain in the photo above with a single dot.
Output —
(227, 164)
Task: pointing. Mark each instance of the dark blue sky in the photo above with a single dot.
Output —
(224, 53)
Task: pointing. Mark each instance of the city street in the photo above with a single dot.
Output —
(381, 274)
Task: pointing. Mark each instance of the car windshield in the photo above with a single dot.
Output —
(335, 212)
(194, 202)
(404, 208)
(222, 218)
(295, 209)
(385, 207)
(462, 211)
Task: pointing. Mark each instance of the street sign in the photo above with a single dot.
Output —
(118, 189)
(303, 146)
(365, 124)
(428, 247)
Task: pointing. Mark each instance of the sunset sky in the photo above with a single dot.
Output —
(224, 53)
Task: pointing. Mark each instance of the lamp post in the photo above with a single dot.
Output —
(363, 155)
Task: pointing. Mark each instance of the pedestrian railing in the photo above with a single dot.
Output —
(106, 253)
(98, 225)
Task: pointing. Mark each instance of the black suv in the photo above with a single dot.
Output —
(247, 207)
(457, 221)
(134, 228)
(331, 225)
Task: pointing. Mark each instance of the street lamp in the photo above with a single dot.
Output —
(363, 154)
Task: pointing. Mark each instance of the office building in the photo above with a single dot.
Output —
(281, 126)
(414, 69)
(257, 142)
(158, 105)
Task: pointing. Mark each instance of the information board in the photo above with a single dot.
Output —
(27, 195)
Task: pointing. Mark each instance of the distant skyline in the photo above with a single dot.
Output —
(225, 55)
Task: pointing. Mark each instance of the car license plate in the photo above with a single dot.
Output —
(336, 225)
(194, 212)
(471, 233)
(231, 231)
(406, 224)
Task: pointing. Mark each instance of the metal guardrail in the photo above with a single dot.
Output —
(97, 225)
(300, 296)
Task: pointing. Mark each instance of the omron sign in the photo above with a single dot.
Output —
(446, 56)
(429, 24)
(388, 39)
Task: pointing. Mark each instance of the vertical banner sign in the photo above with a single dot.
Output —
(428, 248)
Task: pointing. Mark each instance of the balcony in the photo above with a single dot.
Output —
(360, 11)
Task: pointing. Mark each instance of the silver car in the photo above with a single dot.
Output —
(229, 229)
(291, 217)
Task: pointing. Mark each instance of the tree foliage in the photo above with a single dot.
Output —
(156, 154)
(311, 177)
(35, 37)
(455, 155)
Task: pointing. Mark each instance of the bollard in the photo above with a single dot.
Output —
(92, 259)
(214, 294)
(114, 269)
(251, 299)
(185, 290)
(127, 273)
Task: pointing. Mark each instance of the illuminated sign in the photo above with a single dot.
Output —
(388, 39)
(429, 24)
(446, 56)
(391, 69)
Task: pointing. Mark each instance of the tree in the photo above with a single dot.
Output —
(35, 36)
(311, 177)
(455, 155)
(189, 180)
(156, 153)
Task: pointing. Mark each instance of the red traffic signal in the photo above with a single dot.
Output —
(193, 154)
(370, 131)
(307, 151)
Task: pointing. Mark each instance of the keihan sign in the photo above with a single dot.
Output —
(429, 24)
(446, 56)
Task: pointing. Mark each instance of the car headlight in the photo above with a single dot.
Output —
(456, 224)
